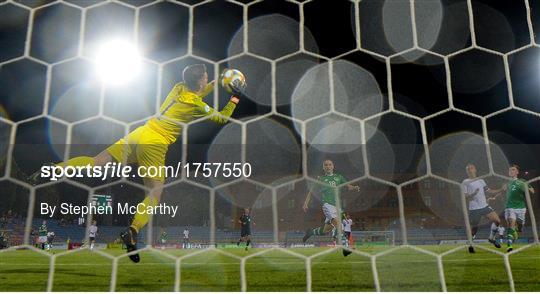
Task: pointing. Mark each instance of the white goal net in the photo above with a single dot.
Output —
(382, 88)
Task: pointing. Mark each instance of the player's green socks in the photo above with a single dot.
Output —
(510, 236)
(141, 219)
(319, 231)
(78, 161)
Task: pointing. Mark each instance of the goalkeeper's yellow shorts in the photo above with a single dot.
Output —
(145, 147)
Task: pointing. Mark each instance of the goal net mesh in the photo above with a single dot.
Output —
(320, 88)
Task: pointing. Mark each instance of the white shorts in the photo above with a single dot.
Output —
(515, 213)
(42, 239)
(330, 212)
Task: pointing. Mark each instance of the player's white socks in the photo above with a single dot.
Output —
(91, 246)
(494, 229)
(501, 231)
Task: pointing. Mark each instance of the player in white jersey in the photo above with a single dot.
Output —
(50, 240)
(347, 230)
(92, 232)
(185, 241)
(475, 192)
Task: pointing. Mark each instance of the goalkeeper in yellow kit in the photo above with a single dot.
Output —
(148, 144)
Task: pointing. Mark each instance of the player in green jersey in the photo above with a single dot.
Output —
(163, 236)
(516, 204)
(42, 232)
(245, 222)
(329, 191)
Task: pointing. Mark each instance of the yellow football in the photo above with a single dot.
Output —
(231, 76)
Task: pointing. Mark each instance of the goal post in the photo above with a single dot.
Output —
(374, 238)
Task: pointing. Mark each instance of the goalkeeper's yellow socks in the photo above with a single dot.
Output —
(78, 161)
(141, 219)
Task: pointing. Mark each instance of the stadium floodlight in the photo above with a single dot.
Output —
(117, 62)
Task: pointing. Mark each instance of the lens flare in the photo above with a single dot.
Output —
(118, 62)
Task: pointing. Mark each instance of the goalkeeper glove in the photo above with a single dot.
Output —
(237, 88)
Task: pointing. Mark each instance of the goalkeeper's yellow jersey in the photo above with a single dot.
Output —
(183, 106)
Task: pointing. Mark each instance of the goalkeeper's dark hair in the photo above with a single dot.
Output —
(192, 74)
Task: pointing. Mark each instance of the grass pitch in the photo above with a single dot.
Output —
(401, 269)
